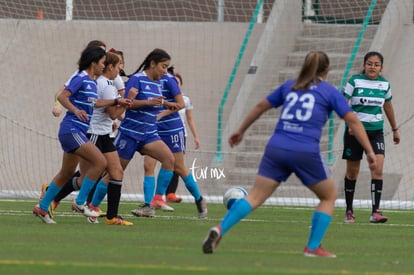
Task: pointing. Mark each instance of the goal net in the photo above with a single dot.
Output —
(231, 54)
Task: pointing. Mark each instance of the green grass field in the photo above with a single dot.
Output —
(269, 241)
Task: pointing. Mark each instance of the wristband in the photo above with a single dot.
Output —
(57, 103)
(395, 129)
(115, 102)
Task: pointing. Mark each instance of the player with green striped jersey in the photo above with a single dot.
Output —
(367, 97)
(368, 94)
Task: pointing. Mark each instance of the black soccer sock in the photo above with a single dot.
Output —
(90, 195)
(70, 186)
(376, 191)
(349, 193)
(113, 197)
(172, 186)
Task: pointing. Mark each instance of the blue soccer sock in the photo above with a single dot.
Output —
(52, 191)
(100, 193)
(163, 180)
(320, 223)
(149, 188)
(240, 209)
(86, 187)
(192, 186)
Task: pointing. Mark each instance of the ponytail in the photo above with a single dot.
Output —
(157, 55)
(313, 67)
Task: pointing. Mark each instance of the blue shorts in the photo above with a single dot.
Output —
(71, 142)
(175, 141)
(127, 146)
(278, 164)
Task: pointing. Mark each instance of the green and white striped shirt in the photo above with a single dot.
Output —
(367, 97)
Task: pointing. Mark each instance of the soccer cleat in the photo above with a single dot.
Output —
(101, 212)
(377, 217)
(161, 204)
(42, 214)
(118, 221)
(349, 217)
(97, 209)
(43, 192)
(145, 210)
(172, 197)
(84, 209)
(212, 240)
(52, 208)
(92, 219)
(201, 208)
(318, 252)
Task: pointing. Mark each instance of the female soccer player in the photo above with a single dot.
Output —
(138, 131)
(186, 115)
(294, 148)
(171, 131)
(99, 133)
(79, 98)
(368, 93)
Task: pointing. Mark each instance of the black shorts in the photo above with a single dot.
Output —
(354, 151)
(104, 143)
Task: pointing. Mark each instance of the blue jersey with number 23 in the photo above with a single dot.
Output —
(303, 114)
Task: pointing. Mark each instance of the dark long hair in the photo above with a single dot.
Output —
(89, 55)
(369, 54)
(172, 71)
(157, 55)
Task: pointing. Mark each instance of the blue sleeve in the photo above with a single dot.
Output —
(276, 98)
(172, 86)
(131, 83)
(75, 84)
(339, 103)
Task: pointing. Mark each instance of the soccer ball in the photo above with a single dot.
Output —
(232, 195)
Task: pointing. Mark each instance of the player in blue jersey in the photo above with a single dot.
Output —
(368, 94)
(72, 184)
(79, 98)
(186, 115)
(138, 131)
(57, 107)
(294, 148)
(171, 131)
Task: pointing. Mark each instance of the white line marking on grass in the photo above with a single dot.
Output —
(105, 264)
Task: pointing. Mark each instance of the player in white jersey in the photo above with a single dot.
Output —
(120, 85)
(368, 94)
(99, 132)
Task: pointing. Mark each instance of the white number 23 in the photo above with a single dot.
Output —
(303, 112)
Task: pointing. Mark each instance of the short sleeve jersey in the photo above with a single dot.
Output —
(188, 107)
(172, 123)
(303, 114)
(118, 82)
(101, 122)
(141, 122)
(84, 94)
(367, 97)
